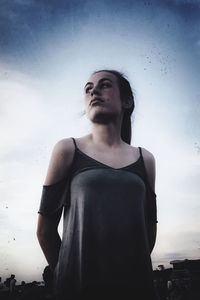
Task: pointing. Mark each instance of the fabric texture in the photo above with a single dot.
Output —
(104, 252)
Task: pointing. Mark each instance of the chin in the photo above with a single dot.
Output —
(101, 117)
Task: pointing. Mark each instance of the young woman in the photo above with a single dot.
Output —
(106, 187)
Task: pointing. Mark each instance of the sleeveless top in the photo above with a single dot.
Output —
(104, 251)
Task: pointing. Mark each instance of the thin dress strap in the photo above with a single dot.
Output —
(74, 141)
(144, 168)
(140, 152)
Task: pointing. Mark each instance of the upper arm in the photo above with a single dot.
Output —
(150, 166)
(60, 162)
(53, 189)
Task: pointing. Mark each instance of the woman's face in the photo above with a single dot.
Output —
(102, 97)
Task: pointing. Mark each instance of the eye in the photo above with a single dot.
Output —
(87, 89)
(105, 84)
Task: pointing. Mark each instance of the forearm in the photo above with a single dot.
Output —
(50, 243)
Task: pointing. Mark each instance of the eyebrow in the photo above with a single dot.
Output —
(102, 79)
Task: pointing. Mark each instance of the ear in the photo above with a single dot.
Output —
(127, 103)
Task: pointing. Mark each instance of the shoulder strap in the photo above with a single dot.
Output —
(140, 152)
(74, 141)
(144, 168)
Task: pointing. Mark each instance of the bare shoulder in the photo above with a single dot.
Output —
(148, 156)
(150, 165)
(63, 147)
(60, 162)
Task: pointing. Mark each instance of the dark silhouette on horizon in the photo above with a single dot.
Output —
(181, 282)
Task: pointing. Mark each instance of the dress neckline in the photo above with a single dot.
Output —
(105, 165)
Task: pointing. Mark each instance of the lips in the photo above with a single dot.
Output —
(96, 100)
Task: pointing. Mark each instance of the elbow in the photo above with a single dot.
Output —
(41, 234)
(46, 230)
(44, 237)
(44, 233)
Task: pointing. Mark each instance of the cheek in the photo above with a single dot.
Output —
(86, 108)
(112, 96)
(118, 101)
(86, 101)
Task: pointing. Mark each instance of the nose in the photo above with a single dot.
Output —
(95, 91)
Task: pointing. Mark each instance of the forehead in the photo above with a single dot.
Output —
(94, 78)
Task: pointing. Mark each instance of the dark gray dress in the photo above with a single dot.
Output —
(104, 252)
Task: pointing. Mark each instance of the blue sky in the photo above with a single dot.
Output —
(48, 49)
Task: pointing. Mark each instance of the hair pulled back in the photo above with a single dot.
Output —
(125, 93)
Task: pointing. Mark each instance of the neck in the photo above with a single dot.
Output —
(108, 134)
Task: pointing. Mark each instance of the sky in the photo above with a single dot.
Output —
(48, 49)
